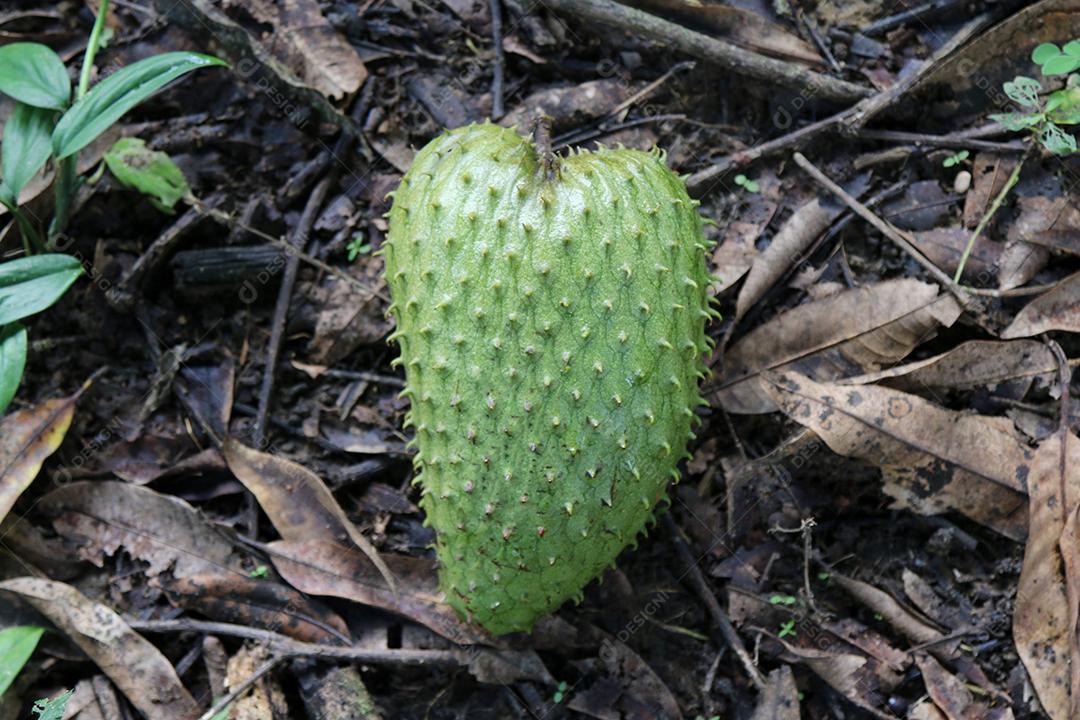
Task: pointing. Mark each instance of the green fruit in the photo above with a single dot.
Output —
(552, 329)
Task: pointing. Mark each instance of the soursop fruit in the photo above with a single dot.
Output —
(551, 323)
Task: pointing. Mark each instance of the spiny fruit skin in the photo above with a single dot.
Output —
(552, 331)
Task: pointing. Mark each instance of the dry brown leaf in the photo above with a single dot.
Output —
(296, 500)
(1056, 309)
(849, 674)
(946, 690)
(27, 438)
(736, 251)
(740, 25)
(1020, 261)
(780, 698)
(266, 699)
(853, 332)
(945, 246)
(165, 532)
(347, 319)
(969, 365)
(1043, 612)
(256, 602)
(933, 460)
(137, 668)
(1050, 221)
(989, 173)
(305, 42)
(318, 567)
(788, 245)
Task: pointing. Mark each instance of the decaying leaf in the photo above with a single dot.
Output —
(933, 460)
(780, 699)
(27, 438)
(260, 603)
(305, 42)
(297, 501)
(973, 364)
(1056, 309)
(319, 567)
(1044, 616)
(740, 25)
(853, 332)
(137, 668)
(790, 242)
(165, 532)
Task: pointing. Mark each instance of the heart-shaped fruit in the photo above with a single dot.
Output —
(552, 327)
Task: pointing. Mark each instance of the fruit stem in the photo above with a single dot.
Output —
(542, 141)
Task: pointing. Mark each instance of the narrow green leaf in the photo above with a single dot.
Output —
(17, 644)
(12, 362)
(151, 172)
(1060, 65)
(1044, 52)
(115, 95)
(32, 73)
(31, 284)
(26, 145)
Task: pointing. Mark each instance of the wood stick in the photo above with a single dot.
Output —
(710, 49)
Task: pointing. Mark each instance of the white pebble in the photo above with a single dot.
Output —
(962, 182)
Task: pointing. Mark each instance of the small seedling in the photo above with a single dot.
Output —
(560, 692)
(151, 172)
(49, 120)
(357, 247)
(259, 572)
(787, 628)
(824, 576)
(747, 184)
(53, 709)
(1043, 117)
(955, 159)
(1055, 60)
(782, 600)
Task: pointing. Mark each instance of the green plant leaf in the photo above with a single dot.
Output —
(1023, 91)
(53, 709)
(1018, 121)
(1063, 106)
(115, 95)
(1057, 140)
(12, 362)
(151, 172)
(1044, 52)
(1071, 48)
(26, 147)
(1060, 65)
(32, 73)
(17, 644)
(31, 284)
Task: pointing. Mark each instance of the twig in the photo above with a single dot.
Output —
(281, 307)
(989, 214)
(719, 52)
(241, 688)
(887, 229)
(815, 35)
(497, 71)
(718, 615)
(854, 117)
(287, 647)
(919, 12)
(948, 141)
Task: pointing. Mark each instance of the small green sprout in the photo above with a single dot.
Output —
(259, 572)
(747, 184)
(955, 159)
(824, 576)
(787, 628)
(782, 600)
(1055, 60)
(47, 709)
(357, 247)
(560, 692)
